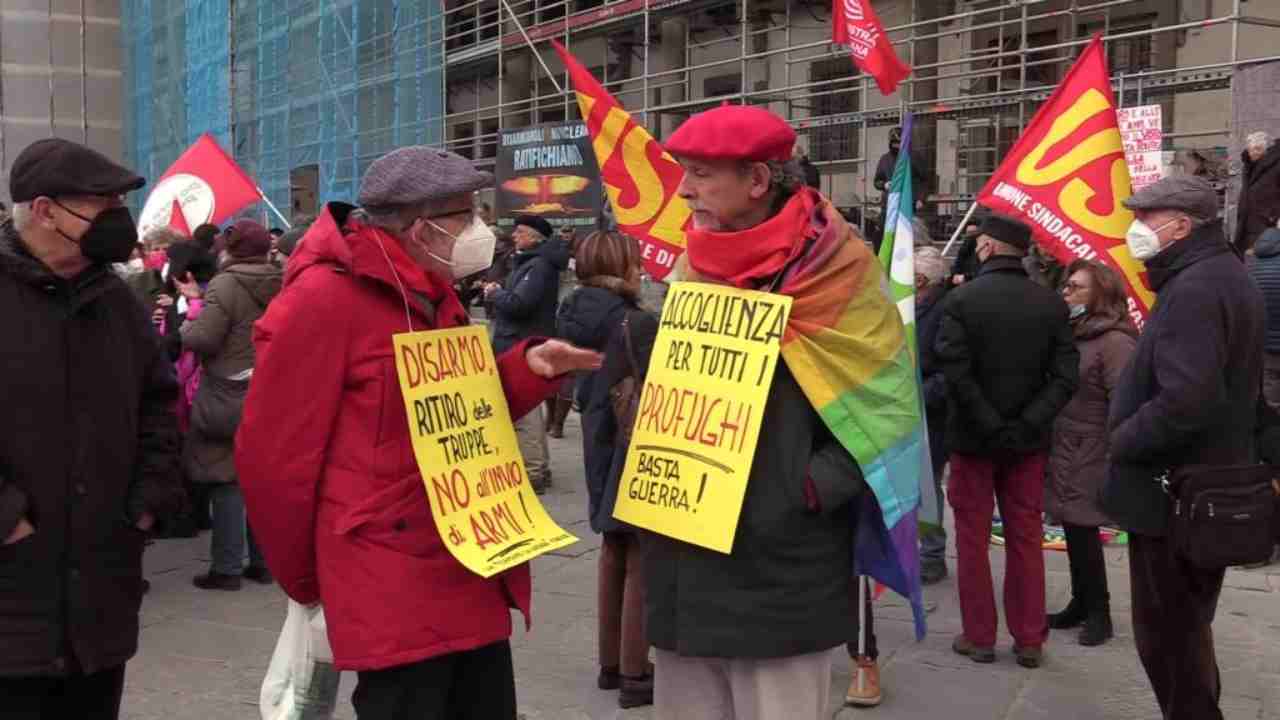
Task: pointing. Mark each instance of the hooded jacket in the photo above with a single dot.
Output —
(326, 462)
(1259, 205)
(222, 333)
(1190, 394)
(1078, 456)
(219, 330)
(526, 305)
(87, 445)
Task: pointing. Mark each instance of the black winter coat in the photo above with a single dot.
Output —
(526, 305)
(592, 317)
(785, 588)
(928, 323)
(88, 443)
(1259, 205)
(1190, 394)
(1009, 358)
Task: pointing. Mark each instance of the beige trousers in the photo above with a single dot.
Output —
(531, 436)
(788, 688)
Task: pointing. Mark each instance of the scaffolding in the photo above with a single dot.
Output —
(306, 93)
(303, 93)
(982, 68)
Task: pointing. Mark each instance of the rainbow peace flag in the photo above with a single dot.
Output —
(848, 349)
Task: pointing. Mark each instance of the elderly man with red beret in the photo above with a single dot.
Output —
(749, 635)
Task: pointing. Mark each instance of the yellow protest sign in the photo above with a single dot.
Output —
(700, 412)
(465, 444)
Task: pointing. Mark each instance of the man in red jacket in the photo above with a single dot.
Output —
(324, 455)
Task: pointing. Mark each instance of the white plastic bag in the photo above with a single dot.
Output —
(301, 682)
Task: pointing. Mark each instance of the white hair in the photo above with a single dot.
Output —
(931, 264)
(22, 216)
(1259, 139)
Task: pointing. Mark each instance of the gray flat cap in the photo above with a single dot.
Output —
(419, 173)
(1191, 194)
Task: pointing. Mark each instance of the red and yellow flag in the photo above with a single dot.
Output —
(1066, 177)
(638, 175)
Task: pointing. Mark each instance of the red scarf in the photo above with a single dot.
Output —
(744, 258)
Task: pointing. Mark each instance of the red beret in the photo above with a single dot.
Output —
(734, 132)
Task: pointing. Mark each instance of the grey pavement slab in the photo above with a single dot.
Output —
(203, 654)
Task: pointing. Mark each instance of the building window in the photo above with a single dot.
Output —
(837, 95)
(1127, 55)
(460, 28)
(464, 139)
(488, 138)
(719, 85)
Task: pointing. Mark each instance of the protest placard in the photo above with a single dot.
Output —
(465, 444)
(700, 412)
(1142, 135)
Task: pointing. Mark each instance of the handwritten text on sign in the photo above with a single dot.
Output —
(465, 445)
(1142, 134)
(700, 412)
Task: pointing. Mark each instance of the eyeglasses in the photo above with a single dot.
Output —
(1071, 287)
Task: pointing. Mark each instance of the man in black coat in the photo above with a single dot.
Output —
(526, 307)
(1011, 365)
(1188, 397)
(88, 444)
(1259, 204)
(884, 174)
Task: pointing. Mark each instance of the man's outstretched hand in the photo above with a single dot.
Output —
(554, 358)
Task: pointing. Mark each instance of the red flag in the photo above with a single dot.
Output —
(206, 182)
(178, 219)
(1066, 177)
(854, 24)
(639, 176)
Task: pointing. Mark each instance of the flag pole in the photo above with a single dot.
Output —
(551, 76)
(960, 228)
(273, 207)
(862, 624)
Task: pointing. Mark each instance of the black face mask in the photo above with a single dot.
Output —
(111, 237)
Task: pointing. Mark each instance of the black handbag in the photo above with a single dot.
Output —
(1221, 516)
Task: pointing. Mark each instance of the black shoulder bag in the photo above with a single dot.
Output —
(1221, 515)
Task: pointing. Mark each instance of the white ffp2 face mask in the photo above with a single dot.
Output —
(472, 249)
(1143, 242)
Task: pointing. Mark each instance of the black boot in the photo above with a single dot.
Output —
(1073, 615)
(1097, 627)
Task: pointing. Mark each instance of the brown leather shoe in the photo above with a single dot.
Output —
(864, 688)
(962, 646)
(1029, 657)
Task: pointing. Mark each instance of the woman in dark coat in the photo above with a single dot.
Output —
(219, 329)
(1106, 339)
(608, 268)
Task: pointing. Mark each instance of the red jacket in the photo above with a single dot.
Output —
(325, 461)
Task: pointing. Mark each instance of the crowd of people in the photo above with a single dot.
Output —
(242, 380)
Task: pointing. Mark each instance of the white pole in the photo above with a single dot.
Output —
(960, 228)
(272, 205)
(532, 49)
(862, 620)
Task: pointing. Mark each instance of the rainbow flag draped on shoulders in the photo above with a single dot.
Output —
(847, 348)
(845, 343)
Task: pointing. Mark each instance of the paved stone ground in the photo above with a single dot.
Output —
(204, 654)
